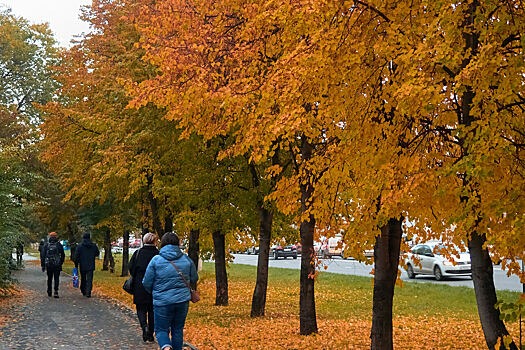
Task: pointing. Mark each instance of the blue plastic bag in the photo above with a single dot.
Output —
(75, 277)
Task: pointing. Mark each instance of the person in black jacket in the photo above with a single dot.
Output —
(41, 251)
(52, 258)
(85, 255)
(141, 298)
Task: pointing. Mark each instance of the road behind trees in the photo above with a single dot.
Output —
(353, 267)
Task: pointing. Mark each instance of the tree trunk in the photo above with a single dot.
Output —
(221, 278)
(168, 224)
(386, 261)
(494, 329)
(307, 312)
(109, 261)
(482, 274)
(145, 217)
(194, 250)
(261, 283)
(125, 254)
(153, 203)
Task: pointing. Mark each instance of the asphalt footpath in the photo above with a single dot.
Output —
(72, 321)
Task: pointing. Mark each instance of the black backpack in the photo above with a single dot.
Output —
(53, 255)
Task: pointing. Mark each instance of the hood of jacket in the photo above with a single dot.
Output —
(171, 252)
(53, 239)
(87, 242)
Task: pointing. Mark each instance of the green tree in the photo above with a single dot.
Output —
(26, 54)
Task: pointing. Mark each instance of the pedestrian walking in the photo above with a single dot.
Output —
(142, 299)
(72, 250)
(52, 258)
(85, 256)
(41, 251)
(19, 253)
(166, 278)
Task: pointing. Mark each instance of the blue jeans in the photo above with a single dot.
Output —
(170, 318)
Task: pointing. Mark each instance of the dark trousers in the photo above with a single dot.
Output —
(53, 274)
(86, 282)
(146, 317)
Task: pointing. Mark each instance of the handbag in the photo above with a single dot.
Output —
(194, 294)
(128, 285)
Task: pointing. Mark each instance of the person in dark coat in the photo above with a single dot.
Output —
(72, 250)
(141, 298)
(85, 255)
(41, 251)
(19, 253)
(52, 258)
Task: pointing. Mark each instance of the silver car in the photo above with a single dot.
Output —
(428, 259)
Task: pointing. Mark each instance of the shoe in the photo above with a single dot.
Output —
(145, 334)
(150, 337)
(48, 293)
(56, 294)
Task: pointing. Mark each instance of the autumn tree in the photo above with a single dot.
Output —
(221, 64)
(199, 67)
(97, 147)
(361, 94)
(450, 81)
(27, 51)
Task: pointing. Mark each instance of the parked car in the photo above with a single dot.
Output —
(369, 253)
(428, 259)
(278, 251)
(332, 246)
(116, 250)
(317, 248)
(135, 243)
(252, 250)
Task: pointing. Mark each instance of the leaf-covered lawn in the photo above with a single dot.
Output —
(426, 316)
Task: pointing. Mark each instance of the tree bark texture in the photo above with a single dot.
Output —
(307, 311)
(158, 228)
(194, 250)
(109, 261)
(125, 253)
(221, 278)
(168, 224)
(261, 283)
(386, 261)
(483, 277)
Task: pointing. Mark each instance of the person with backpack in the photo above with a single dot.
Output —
(85, 255)
(52, 259)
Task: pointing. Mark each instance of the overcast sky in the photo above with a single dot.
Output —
(62, 15)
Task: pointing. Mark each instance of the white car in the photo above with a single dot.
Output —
(428, 259)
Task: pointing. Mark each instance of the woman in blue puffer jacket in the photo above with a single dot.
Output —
(170, 292)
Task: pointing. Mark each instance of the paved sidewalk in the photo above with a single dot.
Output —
(69, 322)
